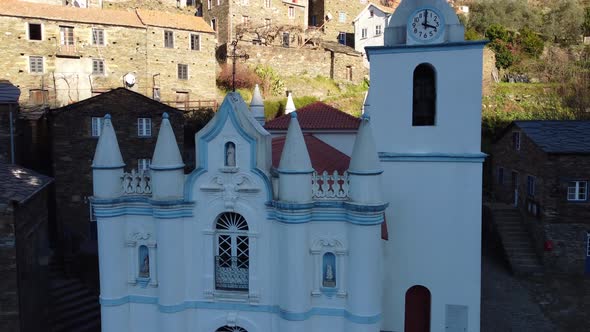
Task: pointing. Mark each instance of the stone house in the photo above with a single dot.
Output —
(267, 17)
(543, 167)
(369, 27)
(24, 249)
(335, 18)
(76, 129)
(60, 55)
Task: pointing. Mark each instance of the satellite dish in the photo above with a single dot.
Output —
(129, 79)
(329, 17)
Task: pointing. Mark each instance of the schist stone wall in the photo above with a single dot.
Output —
(561, 222)
(74, 146)
(305, 61)
(23, 243)
(228, 14)
(67, 76)
(342, 13)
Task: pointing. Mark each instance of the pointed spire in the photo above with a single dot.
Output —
(364, 159)
(290, 107)
(166, 155)
(107, 154)
(257, 106)
(295, 157)
(366, 104)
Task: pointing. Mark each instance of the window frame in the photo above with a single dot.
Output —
(378, 30)
(364, 33)
(98, 67)
(143, 164)
(195, 46)
(577, 193)
(516, 140)
(531, 185)
(29, 31)
(168, 39)
(34, 64)
(420, 87)
(144, 127)
(231, 236)
(96, 123)
(65, 32)
(291, 12)
(342, 17)
(267, 3)
(98, 39)
(182, 68)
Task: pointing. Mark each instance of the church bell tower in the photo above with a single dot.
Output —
(425, 103)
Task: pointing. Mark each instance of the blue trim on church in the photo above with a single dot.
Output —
(284, 314)
(433, 157)
(455, 46)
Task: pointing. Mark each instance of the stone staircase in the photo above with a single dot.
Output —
(73, 308)
(517, 244)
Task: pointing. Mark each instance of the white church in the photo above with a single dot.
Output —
(240, 245)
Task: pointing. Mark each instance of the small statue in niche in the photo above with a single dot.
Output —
(144, 268)
(329, 276)
(230, 155)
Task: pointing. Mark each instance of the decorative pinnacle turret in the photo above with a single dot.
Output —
(295, 157)
(257, 106)
(364, 159)
(107, 154)
(290, 107)
(166, 154)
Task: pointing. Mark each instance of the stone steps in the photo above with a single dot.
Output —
(516, 241)
(73, 307)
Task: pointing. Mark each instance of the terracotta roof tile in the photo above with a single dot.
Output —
(70, 14)
(18, 183)
(103, 16)
(168, 20)
(317, 116)
(323, 156)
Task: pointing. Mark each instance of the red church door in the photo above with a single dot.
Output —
(417, 309)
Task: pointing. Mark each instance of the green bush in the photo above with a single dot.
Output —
(504, 57)
(530, 42)
(272, 84)
(497, 31)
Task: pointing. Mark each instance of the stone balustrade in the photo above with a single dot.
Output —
(330, 186)
(137, 183)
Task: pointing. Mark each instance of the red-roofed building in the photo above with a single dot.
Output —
(323, 156)
(326, 123)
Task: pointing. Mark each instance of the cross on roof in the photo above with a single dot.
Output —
(234, 57)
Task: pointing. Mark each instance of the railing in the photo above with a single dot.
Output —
(137, 183)
(231, 274)
(67, 51)
(330, 186)
(188, 105)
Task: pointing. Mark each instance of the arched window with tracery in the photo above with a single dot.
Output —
(231, 329)
(424, 96)
(232, 260)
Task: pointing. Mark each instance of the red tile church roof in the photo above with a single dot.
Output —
(317, 116)
(323, 156)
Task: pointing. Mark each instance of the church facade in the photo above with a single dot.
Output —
(241, 246)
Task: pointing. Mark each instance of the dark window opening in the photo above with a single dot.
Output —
(424, 103)
(35, 31)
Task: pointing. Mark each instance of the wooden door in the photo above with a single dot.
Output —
(417, 317)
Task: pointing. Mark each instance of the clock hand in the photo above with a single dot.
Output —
(430, 26)
(425, 17)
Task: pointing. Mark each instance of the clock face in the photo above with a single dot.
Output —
(425, 25)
